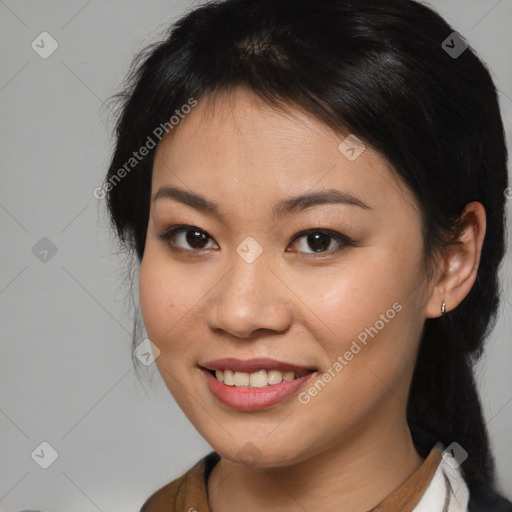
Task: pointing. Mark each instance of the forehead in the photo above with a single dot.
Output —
(242, 148)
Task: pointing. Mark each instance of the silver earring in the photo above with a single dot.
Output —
(443, 308)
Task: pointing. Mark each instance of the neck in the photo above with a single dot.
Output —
(354, 476)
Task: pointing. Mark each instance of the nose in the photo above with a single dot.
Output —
(250, 298)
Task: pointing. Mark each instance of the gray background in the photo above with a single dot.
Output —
(66, 375)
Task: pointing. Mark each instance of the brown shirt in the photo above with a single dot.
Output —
(189, 493)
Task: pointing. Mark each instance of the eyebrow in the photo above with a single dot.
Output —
(279, 210)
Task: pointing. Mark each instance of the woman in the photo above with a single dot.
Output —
(314, 191)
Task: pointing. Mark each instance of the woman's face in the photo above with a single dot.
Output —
(245, 288)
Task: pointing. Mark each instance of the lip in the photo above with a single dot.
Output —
(253, 365)
(252, 399)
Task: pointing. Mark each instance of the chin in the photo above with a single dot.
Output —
(262, 454)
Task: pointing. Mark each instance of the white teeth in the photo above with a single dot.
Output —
(229, 378)
(288, 376)
(242, 379)
(274, 377)
(259, 379)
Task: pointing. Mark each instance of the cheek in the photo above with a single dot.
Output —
(369, 324)
(164, 299)
(164, 302)
(166, 294)
(346, 301)
(153, 298)
(170, 299)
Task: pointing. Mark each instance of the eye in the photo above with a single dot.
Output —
(181, 236)
(193, 239)
(321, 241)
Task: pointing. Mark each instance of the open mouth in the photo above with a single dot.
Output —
(259, 379)
(254, 384)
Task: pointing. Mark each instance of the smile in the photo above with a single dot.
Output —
(254, 384)
(259, 379)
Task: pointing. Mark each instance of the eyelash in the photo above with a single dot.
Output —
(341, 239)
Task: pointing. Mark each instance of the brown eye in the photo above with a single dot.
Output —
(318, 241)
(196, 239)
(188, 238)
(321, 241)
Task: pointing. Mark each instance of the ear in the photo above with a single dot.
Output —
(458, 266)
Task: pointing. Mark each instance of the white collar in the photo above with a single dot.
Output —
(447, 491)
